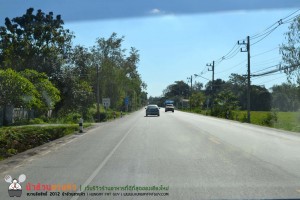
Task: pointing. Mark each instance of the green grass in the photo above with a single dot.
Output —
(289, 121)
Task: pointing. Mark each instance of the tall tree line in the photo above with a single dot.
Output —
(39, 42)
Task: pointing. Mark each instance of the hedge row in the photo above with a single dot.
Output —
(14, 140)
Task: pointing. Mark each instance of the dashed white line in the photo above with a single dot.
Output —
(45, 153)
(94, 174)
(17, 166)
(214, 140)
(70, 141)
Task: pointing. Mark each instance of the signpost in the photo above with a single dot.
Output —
(106, 102)
(126, 101)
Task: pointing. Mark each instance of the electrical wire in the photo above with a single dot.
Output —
(267, 32)
(267, 61)
(232, 67)
(271, 80)
(271, 74)
(278, 23)
(260, 36)
(267, 68)
(266, 35)
(226, 55)
(262, 53)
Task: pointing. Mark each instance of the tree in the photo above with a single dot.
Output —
(48, 94)
(77, 95)
(237, 84)
(286, 97)
(291, 50)
(197, 86)
(212, 90)
(177, 92)
(81, 63)
(35, 41)
(224, 103)
(197, 100)
(118, 73)
(215, 88)
(16, 91)
(260, 98)
(179, 88)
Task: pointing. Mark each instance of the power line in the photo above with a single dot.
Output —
(275, 70)
(271, 80)
(292, 14)
(267, 32)
(259, 54)
(279, 22)
(268, 61)
(258, 77)
(225, 57)
(266, 35)
(232, 67)
(233, 52)
(267, 68)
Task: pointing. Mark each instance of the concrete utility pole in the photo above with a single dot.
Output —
(98, 98)
(247, 44)
(191, 79)
(213, 80)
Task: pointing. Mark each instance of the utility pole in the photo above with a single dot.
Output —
(98, 98)
(213, 80)
(247, 44)
(191, 79)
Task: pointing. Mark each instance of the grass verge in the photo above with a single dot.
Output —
(289, 121)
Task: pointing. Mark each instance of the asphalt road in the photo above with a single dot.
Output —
(185, 156)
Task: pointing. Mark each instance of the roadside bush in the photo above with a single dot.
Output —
(20, 121)
(36, 121)
(197, 110)
(72, 118)
(105, 116)
(14, 140)
(270, 119)
(245, 118)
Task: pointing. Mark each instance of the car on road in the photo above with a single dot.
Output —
(152, 110)
(169, 107)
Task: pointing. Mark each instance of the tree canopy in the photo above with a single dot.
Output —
(35, 41)
(291, 50)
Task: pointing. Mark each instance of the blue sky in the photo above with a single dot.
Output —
(176, 40)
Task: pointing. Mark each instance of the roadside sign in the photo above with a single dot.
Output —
(126, 101)
(106, 102)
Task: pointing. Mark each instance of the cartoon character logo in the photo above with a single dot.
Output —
(15, 188)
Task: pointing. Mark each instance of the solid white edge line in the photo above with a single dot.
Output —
(94, 174)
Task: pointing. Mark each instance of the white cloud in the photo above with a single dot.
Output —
(156, 11)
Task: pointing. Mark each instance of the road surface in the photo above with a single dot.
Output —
(183, 155)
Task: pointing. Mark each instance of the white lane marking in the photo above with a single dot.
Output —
(45, 153)
(17, 166)
(214, 140)
(298, 190)
(30, 160)
(94, 174)
(70, 141)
